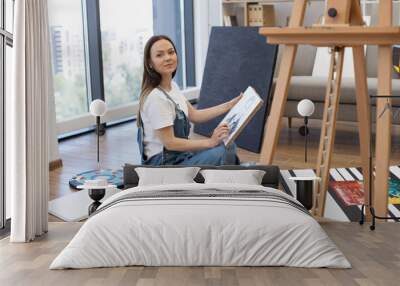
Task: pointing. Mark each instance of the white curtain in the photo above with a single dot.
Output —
(27, 133)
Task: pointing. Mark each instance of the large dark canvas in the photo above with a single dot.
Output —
(236, 58)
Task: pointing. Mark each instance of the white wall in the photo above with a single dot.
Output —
(208, 13)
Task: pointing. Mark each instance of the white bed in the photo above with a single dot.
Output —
(224, 225)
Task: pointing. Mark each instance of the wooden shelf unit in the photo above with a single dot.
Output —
(250, 13)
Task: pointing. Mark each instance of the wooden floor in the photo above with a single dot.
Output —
(375, 258)
(118, 146)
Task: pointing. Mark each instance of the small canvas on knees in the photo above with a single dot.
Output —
(241, 113)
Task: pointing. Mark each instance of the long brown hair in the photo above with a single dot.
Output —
(151, 78)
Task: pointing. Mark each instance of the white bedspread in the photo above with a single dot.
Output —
(179, 231)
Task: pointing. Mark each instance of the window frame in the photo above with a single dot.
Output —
(6, 39)
(189, 42)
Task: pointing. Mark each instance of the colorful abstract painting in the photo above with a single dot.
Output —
(394, 192)
(350, 192)
(114, 177)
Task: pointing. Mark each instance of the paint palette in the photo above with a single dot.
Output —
(114, 177)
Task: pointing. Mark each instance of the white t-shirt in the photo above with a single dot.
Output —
(159, 112)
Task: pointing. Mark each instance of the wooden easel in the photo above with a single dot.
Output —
(342, 27)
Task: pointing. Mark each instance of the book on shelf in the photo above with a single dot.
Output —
(230, 20)
(260, 15)
(240, 115)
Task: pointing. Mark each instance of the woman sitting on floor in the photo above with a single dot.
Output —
(164, 115)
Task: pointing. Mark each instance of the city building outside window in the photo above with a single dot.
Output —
(123, 38)
(68, 58)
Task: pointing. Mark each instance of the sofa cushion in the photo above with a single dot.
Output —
(347, 112)
(314, 88)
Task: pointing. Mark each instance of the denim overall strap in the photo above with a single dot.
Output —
(140, 138)
(181, 130)
(181, 122)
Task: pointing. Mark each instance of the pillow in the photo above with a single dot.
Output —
(249, 177)
(166, 176)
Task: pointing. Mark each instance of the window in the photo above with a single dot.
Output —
(68, 58)
(97, 53)
(6, 40)
(9, 11)
(123, 38)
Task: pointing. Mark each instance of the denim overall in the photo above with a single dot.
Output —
(181, 130)
(219, 155)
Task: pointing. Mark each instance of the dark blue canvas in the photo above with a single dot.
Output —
(236, 58)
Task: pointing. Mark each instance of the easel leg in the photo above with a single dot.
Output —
(273, 124)
(383, 124)
(363, 114)
(383, 132)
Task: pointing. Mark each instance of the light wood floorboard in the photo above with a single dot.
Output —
(375, 258)
(118, 146)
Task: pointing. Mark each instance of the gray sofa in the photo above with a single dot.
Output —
(304, 85)
(313, 88)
